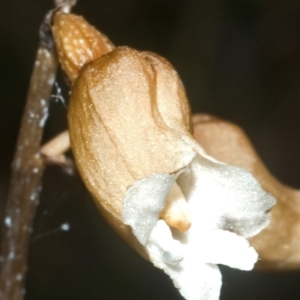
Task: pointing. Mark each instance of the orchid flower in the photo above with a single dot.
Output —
(129, 128)
(131, 135)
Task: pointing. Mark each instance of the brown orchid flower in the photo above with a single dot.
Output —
(131, 135)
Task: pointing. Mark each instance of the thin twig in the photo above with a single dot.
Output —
(27, 171)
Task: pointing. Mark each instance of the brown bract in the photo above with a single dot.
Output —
(121, 128)
(77, 42)
(279, 244)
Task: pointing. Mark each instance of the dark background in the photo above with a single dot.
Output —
(239, 60)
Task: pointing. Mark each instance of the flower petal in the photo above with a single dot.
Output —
(143, 202)
(224, 197)
(227, 248)
(221, 199)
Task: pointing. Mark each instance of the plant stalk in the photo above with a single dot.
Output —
(27, 171)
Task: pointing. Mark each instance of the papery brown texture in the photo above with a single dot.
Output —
(279, 244)
(77, 42)
(127, 113)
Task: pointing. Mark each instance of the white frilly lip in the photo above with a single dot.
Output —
(226, 205)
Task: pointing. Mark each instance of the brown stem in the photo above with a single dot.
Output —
(27, 171)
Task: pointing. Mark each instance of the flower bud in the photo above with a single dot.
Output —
(77, 42)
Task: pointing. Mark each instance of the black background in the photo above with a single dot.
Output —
(238, 59)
